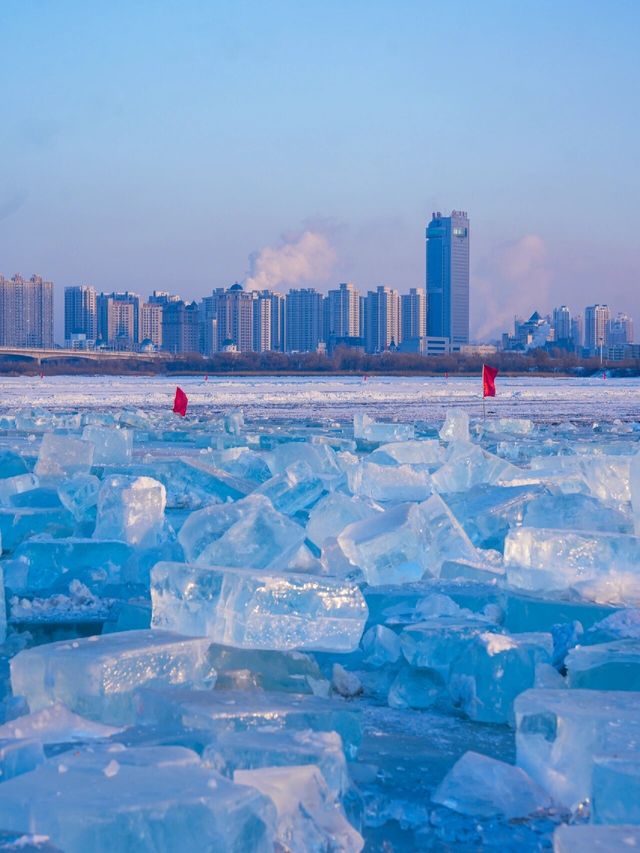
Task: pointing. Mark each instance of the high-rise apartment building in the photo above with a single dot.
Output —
(80, 313)
(26, 312)
(577, 331)
(620, 330)
(180, 327)
(596, 319)
(278, 320)
(262, 306)
(448, 278)
(562, 324)
(342, 312)
(381, 319)
(304, 326)
(413, 314)
(119, 319)
(235, 317)
(151, 323)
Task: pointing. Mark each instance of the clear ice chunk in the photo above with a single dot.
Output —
(295, 489)
(616, 789)
(606, 666)
(309, 815)
(558, 732)
(258, 610)
(63, 456)
(367, 429)
(17, 485)
(250, 533)
(389, 482)
(494, 669)
(253, 749)
(260, 669)
(137, 799)
(602, 567)
(220, 711)
(56, 724)
(334, 512)
(112, 446)
(634, 490)
(79, 494)
(469, 465)
(19, 756)
(97, 676)
(406, 542)
(20, 523)
(427, 452)
(587, 838)
(11, 464)
(484, 787)
(455, 426)
(512, 426)
(575, 512)
(131, 509)
(437, 642)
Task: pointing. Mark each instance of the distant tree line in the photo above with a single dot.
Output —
(344, 360)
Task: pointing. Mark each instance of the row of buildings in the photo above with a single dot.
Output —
(234, 319)
(596, 332)
(430, 320)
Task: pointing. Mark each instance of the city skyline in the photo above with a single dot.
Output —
(150, 146)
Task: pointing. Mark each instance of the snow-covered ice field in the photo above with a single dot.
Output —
(401, 398)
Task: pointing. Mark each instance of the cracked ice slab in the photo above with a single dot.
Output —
(258, 610)
(97, 676)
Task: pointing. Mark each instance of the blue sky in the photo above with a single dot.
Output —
(159, 144)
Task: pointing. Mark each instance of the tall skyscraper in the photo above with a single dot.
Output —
(596, 319)
(278, 321)
(413, 314)
(448, 277)
(562, 324)
(342, 308)
(80, 312)
(26, 312)
(304, 326)
(381, 319)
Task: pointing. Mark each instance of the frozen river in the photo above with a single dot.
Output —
(337, 397)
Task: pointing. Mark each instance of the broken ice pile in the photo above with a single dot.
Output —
(314, 636)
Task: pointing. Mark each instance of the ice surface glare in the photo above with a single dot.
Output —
(131, 509)
(63, 455)
(309, 816)
(258, 610)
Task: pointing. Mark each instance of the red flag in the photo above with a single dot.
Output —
(489, 380)
(180, 402)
